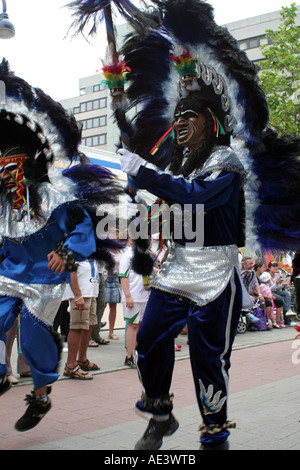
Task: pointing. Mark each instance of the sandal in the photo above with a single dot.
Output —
(113, 336)
(87, 365)
(93, 344)
(76, 373)
(103, 341)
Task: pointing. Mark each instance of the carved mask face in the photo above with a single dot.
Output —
(190, 128)
(8, 175)
(12, 175)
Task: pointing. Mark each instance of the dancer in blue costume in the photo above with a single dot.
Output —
(199, 282)
(220, 120)
(46, 226)
(219, 98)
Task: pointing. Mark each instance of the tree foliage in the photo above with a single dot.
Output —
(280, 75)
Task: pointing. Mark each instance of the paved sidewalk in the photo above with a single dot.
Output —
(99, 414)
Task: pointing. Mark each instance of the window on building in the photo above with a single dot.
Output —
(263, 41)
(99, 87)
(102, 121)
(89, 124)
(253, 42)
(103, 102)
(93, 122)
(96, 122)
(95, 140)
(102, 139)
(243, 45)
(92, 105)
(99, 121)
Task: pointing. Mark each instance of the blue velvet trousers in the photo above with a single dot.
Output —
(211, 332)
(37, 342)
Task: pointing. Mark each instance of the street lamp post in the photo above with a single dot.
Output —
(7, 29)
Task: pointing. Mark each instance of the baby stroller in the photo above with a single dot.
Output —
(254, 317)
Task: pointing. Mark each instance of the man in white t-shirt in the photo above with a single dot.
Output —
(82, 293)
(134, 299)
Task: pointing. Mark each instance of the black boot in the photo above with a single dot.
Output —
(156, 430)
(4, 384)
(223, 446)
(36, 410)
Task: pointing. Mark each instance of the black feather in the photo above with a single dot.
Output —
(96, 186)
(277, 216)
(147, 56)
(142, 261)
(90, 14)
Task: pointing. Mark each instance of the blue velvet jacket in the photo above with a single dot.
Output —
(216, 186)
(26, 260)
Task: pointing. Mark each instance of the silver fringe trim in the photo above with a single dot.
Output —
(11, 226)
(42, 300)
(199, 274)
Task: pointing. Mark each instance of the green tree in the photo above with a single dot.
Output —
(280, 75)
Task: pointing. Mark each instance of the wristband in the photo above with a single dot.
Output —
(78, 299)
(67, 256)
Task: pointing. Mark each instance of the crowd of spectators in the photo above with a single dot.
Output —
(270, 288)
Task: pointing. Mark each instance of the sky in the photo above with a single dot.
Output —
(43, 53)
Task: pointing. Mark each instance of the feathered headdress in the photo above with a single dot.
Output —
(240, 106)
(42, 138)
(198, 45)
(91, 13)
(185, 64)
(29, 115)
(115, 75)
(190, 39)
(150, 90)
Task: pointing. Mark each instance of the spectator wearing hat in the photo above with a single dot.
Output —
(265, 289)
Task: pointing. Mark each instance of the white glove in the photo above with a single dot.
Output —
(130, 162)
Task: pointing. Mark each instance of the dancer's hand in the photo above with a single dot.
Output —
(130, 162)
(56, 263)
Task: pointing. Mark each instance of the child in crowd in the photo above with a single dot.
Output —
(267, 294)
(134, 299)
